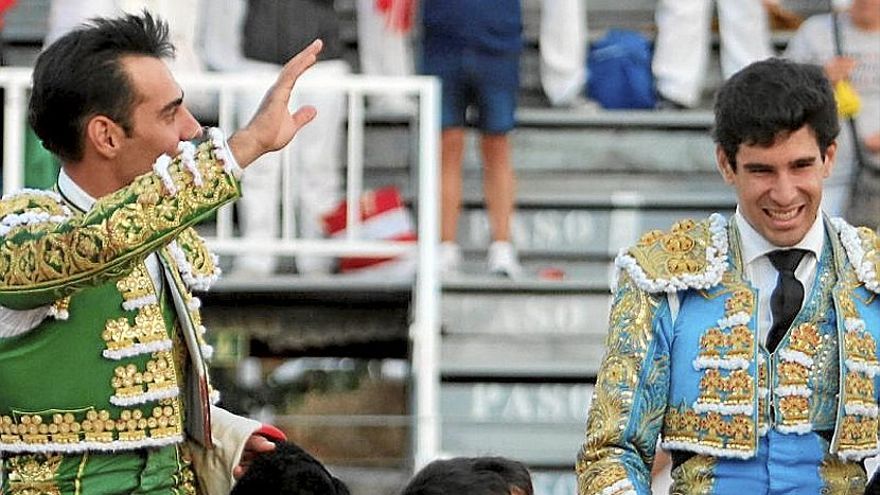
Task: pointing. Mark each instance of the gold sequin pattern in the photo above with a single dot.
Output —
(159, 374)
(161, 421)
(34, 474)
(712, 429)
(840, 477)
(681, 251)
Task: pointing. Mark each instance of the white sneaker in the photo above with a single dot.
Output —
(450, 257)
(502, 260)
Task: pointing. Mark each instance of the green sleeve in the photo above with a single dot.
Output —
(47, 253)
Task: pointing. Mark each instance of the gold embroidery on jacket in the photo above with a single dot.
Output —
(34, 474)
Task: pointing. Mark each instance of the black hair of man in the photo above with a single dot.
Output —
(471, 476)
(288, 470)
(771, 99)
(81, 75)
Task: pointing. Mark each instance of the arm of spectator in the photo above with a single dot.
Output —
(839, 69)
(872, 143)
(222, 44)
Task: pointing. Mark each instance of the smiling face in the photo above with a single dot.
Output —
(779, 187)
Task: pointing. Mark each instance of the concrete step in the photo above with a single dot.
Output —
(537, 423)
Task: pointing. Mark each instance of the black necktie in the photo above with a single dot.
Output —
(785, 302)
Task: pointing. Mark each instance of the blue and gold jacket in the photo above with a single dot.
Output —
(704, 382)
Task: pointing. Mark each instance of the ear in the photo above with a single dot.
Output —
(723, 164)
(830, 159)
(104, 135)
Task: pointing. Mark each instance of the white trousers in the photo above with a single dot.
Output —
(563, 49)
(382, 52)
(681, 51)
(314, 159)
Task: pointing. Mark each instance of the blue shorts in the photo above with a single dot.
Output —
(487, 81)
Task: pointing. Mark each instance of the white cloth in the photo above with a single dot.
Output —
(681, 50)
(562, 47)
(382, 52)
(814, 43)
(314, 154)
(229, 433)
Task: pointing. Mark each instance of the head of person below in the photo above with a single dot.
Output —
(488, 475)
(103, 376)
(749, 344)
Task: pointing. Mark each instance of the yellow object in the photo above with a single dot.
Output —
(848, 103)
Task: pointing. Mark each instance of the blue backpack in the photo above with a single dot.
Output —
(619, 69)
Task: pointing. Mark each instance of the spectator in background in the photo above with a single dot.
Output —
(288, 470)
(5, 5)
(384, 47)
(184, 22)
(474, 46)
(681, 50)
(471, 476)
(254, 37)
(860, 67)
(562, 46)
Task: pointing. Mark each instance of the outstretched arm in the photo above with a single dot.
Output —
(273, 126)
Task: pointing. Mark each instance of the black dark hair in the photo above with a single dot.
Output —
(81, 75)
(288, 470)
(771, 98)
(471, 476)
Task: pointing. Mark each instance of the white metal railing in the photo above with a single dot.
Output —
(424, 329)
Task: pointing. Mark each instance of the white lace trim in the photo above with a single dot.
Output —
(58, 314)
(736, 319)
(160, 168)
(856, 455)
(33, 217)
(622, 487)
(137, 349)
(214, 397)
(78, 447)
(798, 429)
(704, 362)
(139, 302)
(861, 410)
(706, 450)
(793, 390)
(852, 244)
(722, 408)
(859, 366)
(193, 282)
(207, 351)
(188, 158)
(798, 357)
(221, 151)
(165, 393)
(716, 259)
(26, 191)
(194, 303)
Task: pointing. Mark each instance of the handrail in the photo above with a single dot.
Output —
(424, 328)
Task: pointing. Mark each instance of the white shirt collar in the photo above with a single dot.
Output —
(73, 193)
(754, 245)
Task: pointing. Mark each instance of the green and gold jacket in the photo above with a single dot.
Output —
(703, 380)
(120, 362)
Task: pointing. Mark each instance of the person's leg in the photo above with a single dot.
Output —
(681, 49)
(383, 52)
(259, 205)
(316, 158)
(452, 150)
(499, 183)
(563, 50)
(745, 34)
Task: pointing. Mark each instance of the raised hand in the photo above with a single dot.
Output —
(273, 126)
